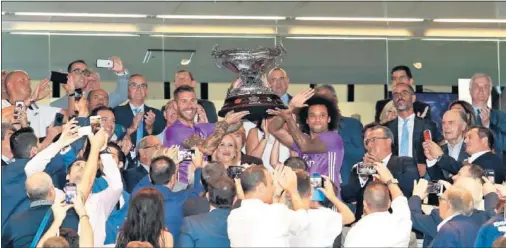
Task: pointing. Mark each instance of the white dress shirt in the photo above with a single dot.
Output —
(411, 127)
(445, 221)
(323, 228)
(41, 118)
(98, 205)
(453, 152)
(476, 155)
(133, 107)
(384, 161)
(383, 229)
(257, 224)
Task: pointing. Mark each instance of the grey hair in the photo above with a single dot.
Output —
(38, 186)
(6, 126)
(277, 69)
(144, 142)
(460, 200)
(462, 115)
(388, 133)
(326, 87)
(480, 75)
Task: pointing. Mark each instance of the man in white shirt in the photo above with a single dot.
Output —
(98, 205)
(445, 161)
(259, 222)
(378, 227)
(324, 223)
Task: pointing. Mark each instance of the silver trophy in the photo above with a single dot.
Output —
(252, 95)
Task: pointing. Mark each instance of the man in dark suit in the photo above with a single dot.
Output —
(24, 147)
(278, 81)
(402, 74)
(349, 129)
(20, 230)
(210, 229)
(445, 161)
(457, 229)
(480, 87)
(378, 140)
(184, 77)
(479, 142)
(408, 129)
(163, 178)
(145, 150)
(139, 119)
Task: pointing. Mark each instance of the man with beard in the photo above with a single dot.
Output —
(184, 77)
(318, 143)
(185, 133)
(408, 129)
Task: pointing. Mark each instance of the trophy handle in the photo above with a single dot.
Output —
(216, 55)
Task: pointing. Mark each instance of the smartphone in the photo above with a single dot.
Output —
(95, 123)
(84, 131)
(316, 181)
(427, 135)
(104, 63)
(490, 174)
(234, 171)
(18, 107)
(78, 94)
(58, 120)
(365, 169)
(435, 188)
(186, 155)
(70, 192)
(58, 77)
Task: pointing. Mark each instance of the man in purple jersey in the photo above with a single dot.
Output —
(317, 143)
(185, 133)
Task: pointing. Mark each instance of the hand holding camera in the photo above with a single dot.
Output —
(98, 140)
(197, 158)
(420, 188)
(328, 188)
(69, 133)
(383, 173)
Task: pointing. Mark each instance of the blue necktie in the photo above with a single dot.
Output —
(478, 118)
(140, 128)
(405, 139)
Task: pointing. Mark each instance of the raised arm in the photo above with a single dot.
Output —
(85, 230)
(254, 146)
(121, 93)
(111, 195)
(274, 158)
(97, 142)
(347, 214)
(59, 209)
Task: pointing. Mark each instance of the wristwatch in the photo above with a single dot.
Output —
(393, 180)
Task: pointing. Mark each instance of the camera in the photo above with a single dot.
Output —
(316, 181)
(234, 171)
(70, 192)
(186, 155)
(490, 174)
(365, 169)
(435, 188)
(95, 123)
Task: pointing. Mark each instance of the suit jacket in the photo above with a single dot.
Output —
(427, 224)
(492, 162)
(460, 231)
(14, 198)
(124, 116)
(205, 230)
(419, 126)
(447, 165)
(20, 230)
(210, 109)
(498, 127)
(350, 130)
(132, 176)
(418, 106)
(403, 169)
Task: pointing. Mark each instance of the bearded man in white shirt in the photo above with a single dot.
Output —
(259, 222)
(378, 227)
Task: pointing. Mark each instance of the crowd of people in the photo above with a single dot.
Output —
(304, 176)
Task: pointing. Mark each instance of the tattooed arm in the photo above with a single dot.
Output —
(276, 129)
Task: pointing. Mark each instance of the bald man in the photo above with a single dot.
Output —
(39, 116)
(96, 98)
(20, 230)
(278, 81)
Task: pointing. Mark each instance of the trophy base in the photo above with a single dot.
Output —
(256, 104)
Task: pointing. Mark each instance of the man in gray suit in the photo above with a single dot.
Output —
(184, 77)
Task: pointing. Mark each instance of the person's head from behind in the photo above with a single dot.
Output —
(98, 97)
(388, 113)
(257, 183)
(56, 242)
(401, 74)
(378, 141)
(455, 200)
(319, 116)
(118, 155)
(403, 96)
(184, 78)
(221, 193)
(108, 121)
(376, 198)
(296, 163)
(70, 236)
(186, 102)
(213, 171)
(228, 152)
(480, 87)
(145, 218)
(79, 69)
(304, 187)
(147, 147)
(468, 170)
(479, 139)
(163, 172)
(137, 89)
(278, 81)
(465, 107)
(454, 125)
(39, 186)
(170, 112)
(499, 242)
(327, 91)
(24, 143)
(473, 186)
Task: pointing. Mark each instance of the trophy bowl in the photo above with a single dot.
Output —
(252, 95)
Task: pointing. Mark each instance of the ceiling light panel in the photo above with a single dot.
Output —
(80, 15)
(213, 30)
(359, 19)
(76, 34)
(79, 27)
(221, 17)
(471, 20)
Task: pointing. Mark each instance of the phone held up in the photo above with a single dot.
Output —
(427, 135)
(18, 107)
(105, 63)
(58, 120)
(70, 192)
(95, 123)
(318, 183)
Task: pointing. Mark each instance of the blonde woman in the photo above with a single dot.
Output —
(388, 113)
(228, 153)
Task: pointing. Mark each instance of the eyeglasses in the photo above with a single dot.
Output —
(137, 86)
(85, 72)
(403, 94)
(373, 139)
